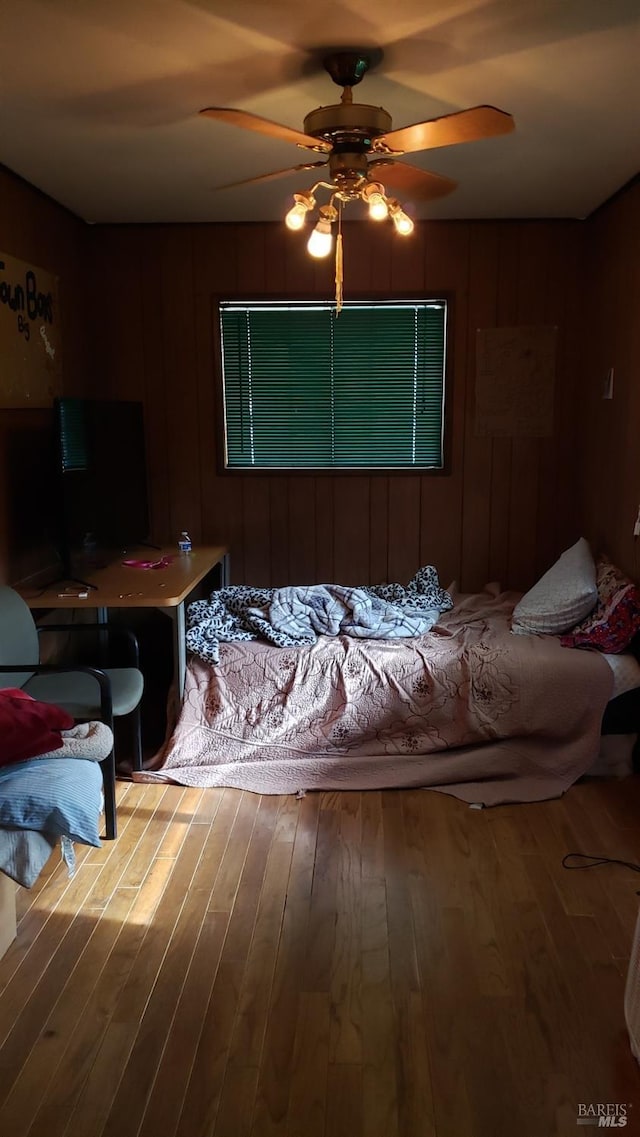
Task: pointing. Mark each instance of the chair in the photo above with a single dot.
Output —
(86, 693)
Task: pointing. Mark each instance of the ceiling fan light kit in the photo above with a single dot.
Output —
(403, 223)
(321, 240)
(358, 145)
(297, 215)
(373, 193)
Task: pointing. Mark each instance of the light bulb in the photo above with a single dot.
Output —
(297, 215)
(403, 223)
(377, 208)
(373, 194)
(320, 241)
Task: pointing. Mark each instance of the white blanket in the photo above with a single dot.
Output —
(90, 740)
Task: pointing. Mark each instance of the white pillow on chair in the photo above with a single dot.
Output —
(562, 597)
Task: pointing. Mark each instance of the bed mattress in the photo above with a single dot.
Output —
(468, 708)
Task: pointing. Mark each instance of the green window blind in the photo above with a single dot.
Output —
(306, 389)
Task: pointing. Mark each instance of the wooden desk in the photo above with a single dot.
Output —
(168, 589)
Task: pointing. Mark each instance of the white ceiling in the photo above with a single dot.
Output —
(100, 99)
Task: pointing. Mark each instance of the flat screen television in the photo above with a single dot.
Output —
(102, 476)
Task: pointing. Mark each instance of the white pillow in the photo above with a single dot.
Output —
(562, 597)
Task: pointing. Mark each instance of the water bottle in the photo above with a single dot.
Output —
(184, 544)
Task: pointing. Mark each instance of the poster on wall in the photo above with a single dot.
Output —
(515, 381)
(30, 350)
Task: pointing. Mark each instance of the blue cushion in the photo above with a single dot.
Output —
(53, 795)
(24, 853)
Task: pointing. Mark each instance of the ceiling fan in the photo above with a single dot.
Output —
(361, 150)
(357, 142)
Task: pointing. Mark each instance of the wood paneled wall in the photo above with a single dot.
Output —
(506, 508)
(610, 457)
(137, 312)
(35, 229)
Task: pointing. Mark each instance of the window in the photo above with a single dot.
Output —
(304, 389)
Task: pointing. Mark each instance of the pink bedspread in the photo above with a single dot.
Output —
(470, 709)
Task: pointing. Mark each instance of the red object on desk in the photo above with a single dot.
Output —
(162, 563)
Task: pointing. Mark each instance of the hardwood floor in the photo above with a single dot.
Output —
(374, 965)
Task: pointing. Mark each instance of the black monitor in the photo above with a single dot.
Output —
(31, 527)
(102, 475)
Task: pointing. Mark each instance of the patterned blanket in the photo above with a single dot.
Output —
(294, 616)
(468, 708)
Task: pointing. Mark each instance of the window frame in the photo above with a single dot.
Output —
(328, 471)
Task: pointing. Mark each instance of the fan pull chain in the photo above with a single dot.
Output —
(339, 263)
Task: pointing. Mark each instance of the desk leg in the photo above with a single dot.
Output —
(177, 615)
(102, 618)
(225, 571)
(179, 647)
(179, 634)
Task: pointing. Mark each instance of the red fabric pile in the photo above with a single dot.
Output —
(28, 727)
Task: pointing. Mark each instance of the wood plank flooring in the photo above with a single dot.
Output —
(373, 965)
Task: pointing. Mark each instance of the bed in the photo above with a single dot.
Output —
(466, 707)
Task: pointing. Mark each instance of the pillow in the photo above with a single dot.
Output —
(28, 727)
(562, 597)
(53, 795)
(615, 619)
(24, 853)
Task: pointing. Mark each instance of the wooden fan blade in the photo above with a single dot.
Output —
(265, 126)
(449, 129)
(273, 174)
(409, 182)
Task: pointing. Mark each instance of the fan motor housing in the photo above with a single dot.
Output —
(348, 124)
(347, 169)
